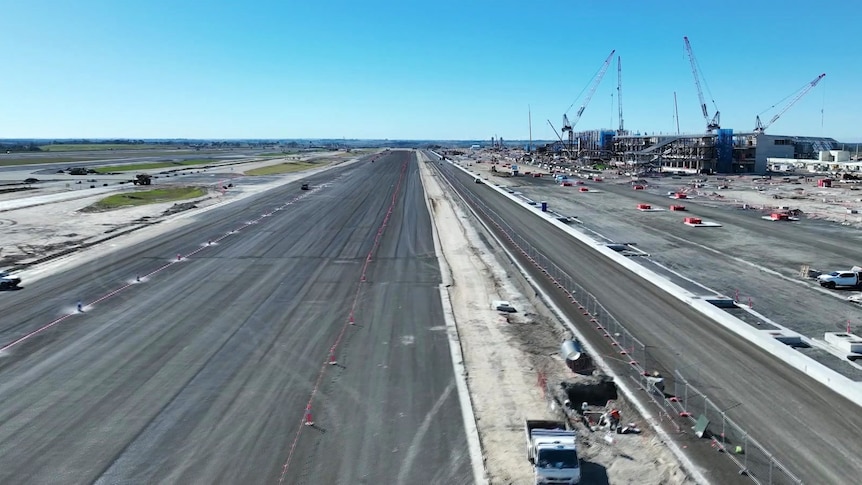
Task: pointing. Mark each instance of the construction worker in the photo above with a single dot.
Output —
(614, 419)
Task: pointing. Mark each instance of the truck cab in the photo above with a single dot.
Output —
(553, 451)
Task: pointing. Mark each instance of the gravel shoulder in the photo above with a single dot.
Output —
(505, 355)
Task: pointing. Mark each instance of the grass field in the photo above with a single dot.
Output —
(154, 196)
(137, 167)
(280, 168)
(75, 147)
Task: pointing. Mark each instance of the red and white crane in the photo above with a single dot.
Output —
(711, 123)
(760, 127)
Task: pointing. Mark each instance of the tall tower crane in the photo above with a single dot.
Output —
(760, 127)
(711, 123)
(569, 127)
(621, 129)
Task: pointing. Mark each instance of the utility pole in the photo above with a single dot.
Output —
(530, 122)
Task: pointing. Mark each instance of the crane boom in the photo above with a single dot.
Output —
(713, 123)
(595, 85)
(760, 127)
(620, 94)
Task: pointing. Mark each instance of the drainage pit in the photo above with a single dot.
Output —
(595, 391)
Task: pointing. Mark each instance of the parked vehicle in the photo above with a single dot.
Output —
(847, 279)
(553, 451)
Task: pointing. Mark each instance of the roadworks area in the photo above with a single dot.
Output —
(514, 366)
(512, 359)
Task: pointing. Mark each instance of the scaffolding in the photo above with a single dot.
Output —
(676, 153)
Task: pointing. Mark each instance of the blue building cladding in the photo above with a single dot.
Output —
(724, 151)
(606, 138)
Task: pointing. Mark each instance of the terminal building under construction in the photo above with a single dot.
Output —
(722, 151)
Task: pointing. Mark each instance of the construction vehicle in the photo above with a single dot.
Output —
(8, 282)
(143, 179)
(851, 279)
(553, 450)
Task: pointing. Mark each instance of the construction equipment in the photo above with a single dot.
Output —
(711, 123)
(553, 451)
(568, 127)
(621, 129)
(563, 143)
(760, 127)
(143, 179)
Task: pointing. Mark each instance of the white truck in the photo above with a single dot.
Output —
(553, 451)
(852, 278)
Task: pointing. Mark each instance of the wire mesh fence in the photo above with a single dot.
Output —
(682, 404)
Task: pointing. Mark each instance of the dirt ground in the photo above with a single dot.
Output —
(32, 233)
(795, 191)
(505, 356)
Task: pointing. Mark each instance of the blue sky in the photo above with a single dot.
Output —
(417, 70)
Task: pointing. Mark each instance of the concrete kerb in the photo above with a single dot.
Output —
(77, 258)
(842, 385)
(527, 282)
(470, 427)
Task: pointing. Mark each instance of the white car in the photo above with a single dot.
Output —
(7, 281)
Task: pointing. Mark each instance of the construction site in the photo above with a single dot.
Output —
(716, 150)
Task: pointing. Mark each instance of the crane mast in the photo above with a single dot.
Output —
(711, 123)
(760, 127)
(621, 129)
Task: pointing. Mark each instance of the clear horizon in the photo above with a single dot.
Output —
(432, 71)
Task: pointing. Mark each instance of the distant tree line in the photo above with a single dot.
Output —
(19, 147)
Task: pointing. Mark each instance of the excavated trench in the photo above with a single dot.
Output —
(595, 391)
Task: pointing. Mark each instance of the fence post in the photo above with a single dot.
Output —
(771, 461)
(685, 398)
(644, 359)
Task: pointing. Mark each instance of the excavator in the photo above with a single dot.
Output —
(143, 179)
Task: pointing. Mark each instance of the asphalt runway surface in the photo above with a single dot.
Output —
(807, 426)
(201, 373)
(755, 261)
